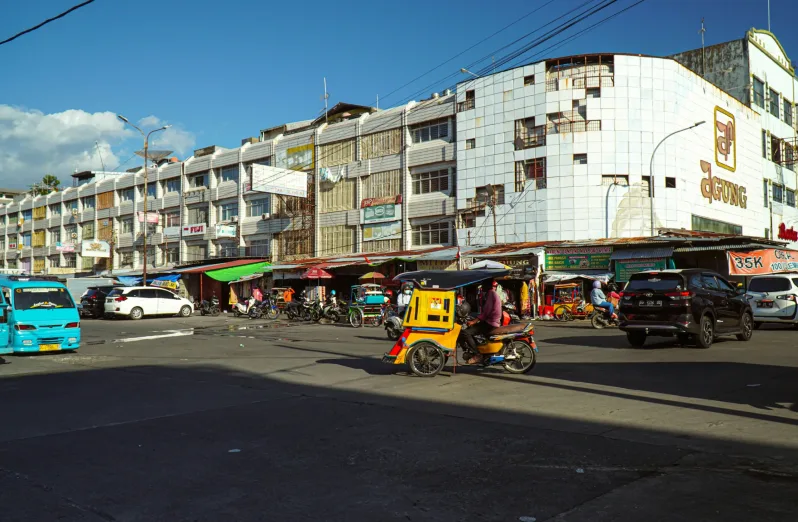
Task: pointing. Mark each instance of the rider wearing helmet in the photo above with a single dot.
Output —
(597, 298)
(403, 299)
(333, 299)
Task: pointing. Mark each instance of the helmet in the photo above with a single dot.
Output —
(333, 292)
(596, 284)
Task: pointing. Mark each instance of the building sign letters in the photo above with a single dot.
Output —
(717, 189)
(725, 140)
(789, 234)
(194, 230)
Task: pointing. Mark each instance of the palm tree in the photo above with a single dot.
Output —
(49, 183)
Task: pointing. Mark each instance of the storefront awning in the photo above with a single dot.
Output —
(216, 266)
(598, 275)
(722, 247)
(231, 273)
(642, 253)
(528, 251)
(250, 277)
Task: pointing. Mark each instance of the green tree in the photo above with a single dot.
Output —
(49, 183)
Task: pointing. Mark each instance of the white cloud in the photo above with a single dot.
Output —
(150, 121)
(33, 143)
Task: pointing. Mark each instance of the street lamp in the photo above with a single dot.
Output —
(146, 215)
(466, 71)
(651, 168)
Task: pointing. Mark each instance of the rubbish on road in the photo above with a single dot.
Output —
(234, 450)
(580, 470)
(754, 385)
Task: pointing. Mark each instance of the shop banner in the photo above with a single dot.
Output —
(759, 262)
(151, 217)
(171, 285)
(380, 213)
(225, 231)
(388, 200)
(93, 248)
(64, 247)
(624, 269)
(380, 231)
(194, 230)
(587, 258)
(171, 231)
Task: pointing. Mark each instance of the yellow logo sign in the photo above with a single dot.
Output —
(725, 140)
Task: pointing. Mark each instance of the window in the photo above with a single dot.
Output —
(787, 112)
(257, 207)
(55, 210)
(593, 92)
(580, 159)
(70, 233)
(769, 284)
(259, 247)
(228, 250)
(789, 156)
(702, 224)
(709, 282)
(381, 184)
(471, 143)
(27, 215)
(87, 263)
(529, 170)
(55, 236)
(339, 239)
(71, 207)
(230, 173)
(381, 144)
(337, 153)
(196, 252)
(39, 212)
(778, 193)
(759, 92)
(38, 237)
(170, 254)
(670, 182)
(197, 215)
(339, 196)
(610, 180)
(171, 219)
(87, 231)
(765, 192)
(70, 261)
(87, 202)
(527, 135)
(38, 268)
(126, 225)
(431, 130)
(12, 218)
(126, 195)
(172, 185)
(227, 211)
(431, 234)
(126, 259)
(26, 239)
(55, 261)
(469, 103)
(429, 182)
(529, 80)
(152, 190)
(198, 181)
(790, 197)
(484, 195)
(774, 103)
(764, 144)
(645, 185)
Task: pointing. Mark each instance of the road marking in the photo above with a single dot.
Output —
(171, 333)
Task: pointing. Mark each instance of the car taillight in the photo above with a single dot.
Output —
(627, 295)
(679, 296)
(72, 325)
(786, 297)
(120, 298)
(23, 327)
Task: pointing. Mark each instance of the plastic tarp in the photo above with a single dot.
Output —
(555, 277)
(136, 280)
(232, 273)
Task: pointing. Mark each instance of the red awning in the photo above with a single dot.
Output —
(316, 273)
(217, 266)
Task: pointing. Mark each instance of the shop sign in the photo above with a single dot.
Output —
(382, 231)
(789, 234)
(12, 246)
(273, 180)
(388, 200)
(64, 247)
(225, 231)
(437, 264)
(296, 158)
(171, 231)
(587, 258)
(717, 189)
(171, 285)
(624, 269)
(725, 142)
(151, 217)
(759, 262)
(194, 230)
(95, 248)
(380, 213)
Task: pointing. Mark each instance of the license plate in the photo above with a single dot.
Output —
(764, 304)
(49, 347)
(650, 303)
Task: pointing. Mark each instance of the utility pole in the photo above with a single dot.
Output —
(493, 211)
(703, 56)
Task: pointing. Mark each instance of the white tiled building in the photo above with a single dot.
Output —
(566, 144)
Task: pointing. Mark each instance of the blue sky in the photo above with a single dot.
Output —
(221, 71)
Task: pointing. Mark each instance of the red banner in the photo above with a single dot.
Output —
(758, 262)
(389, 200)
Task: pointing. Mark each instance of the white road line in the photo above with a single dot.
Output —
(171, 333)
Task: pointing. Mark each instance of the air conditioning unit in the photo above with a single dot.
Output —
(234, 219)
(265, 216)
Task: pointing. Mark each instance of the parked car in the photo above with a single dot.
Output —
(137, 301)
(774, 299)
(693, 304)
(93, 300)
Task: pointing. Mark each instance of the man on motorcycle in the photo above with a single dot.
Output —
(597, 298)
(489, 319)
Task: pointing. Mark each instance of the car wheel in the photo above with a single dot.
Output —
(185, 311)
(706, 333)
(136, 314)
(757, 324)
(746, 328)
(636, 339)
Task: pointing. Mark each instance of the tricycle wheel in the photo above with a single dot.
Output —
(560, 313)
(356, 318)
(524, 357)
(426, 360)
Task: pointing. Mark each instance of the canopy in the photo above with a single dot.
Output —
(448, 279)
(316, 273)
(232, 273)
(372, 275)
(136, 280)
(256, 275)
(597, 275)
(487, 263)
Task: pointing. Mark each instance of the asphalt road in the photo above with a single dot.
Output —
(229, 419)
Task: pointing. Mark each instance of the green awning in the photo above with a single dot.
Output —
(232, 273)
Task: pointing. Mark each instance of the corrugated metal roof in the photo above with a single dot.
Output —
(643, 253)
(720, 247)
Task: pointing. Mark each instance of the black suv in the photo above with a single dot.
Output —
(692, 303)
(93, 300)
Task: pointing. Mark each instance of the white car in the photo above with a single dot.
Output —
(137, 301)
(774, 298)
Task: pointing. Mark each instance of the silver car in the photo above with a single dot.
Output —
(774, 298)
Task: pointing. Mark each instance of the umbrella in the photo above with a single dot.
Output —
(372, 275)
(316, 273)
(487, 263)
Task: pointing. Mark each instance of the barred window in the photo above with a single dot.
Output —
(55, 261)
(259, 248)
(337, 196)
(196, 252)
(38, 265)
(429, 182)
(339, 239)
(533, 169)
(484, 195)
(337, 153)
(87, 263)
(38, 239)
(430, 130)
(126, 259)
(382, 184)
(171, 254)
(527, 135)
(197, 215)
(381, 144)
(431, 234)
(39, 212)
(70, 261)
(55, 236)
(70, 233)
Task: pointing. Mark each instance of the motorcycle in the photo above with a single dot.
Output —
(333, 311)
(510, 310)
(601, 317)
(313, 311)
(210, 307)
(393, 325)
(240, 308)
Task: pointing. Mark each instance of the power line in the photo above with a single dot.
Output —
(26, 31)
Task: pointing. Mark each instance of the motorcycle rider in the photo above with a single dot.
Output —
(489, 319)
(402, 300)
(597, 298)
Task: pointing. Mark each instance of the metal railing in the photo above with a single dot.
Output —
(466, 105)
(566, 127)
(535, 139)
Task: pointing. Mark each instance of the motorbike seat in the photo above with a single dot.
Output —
(599, 309)
(509, 329)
